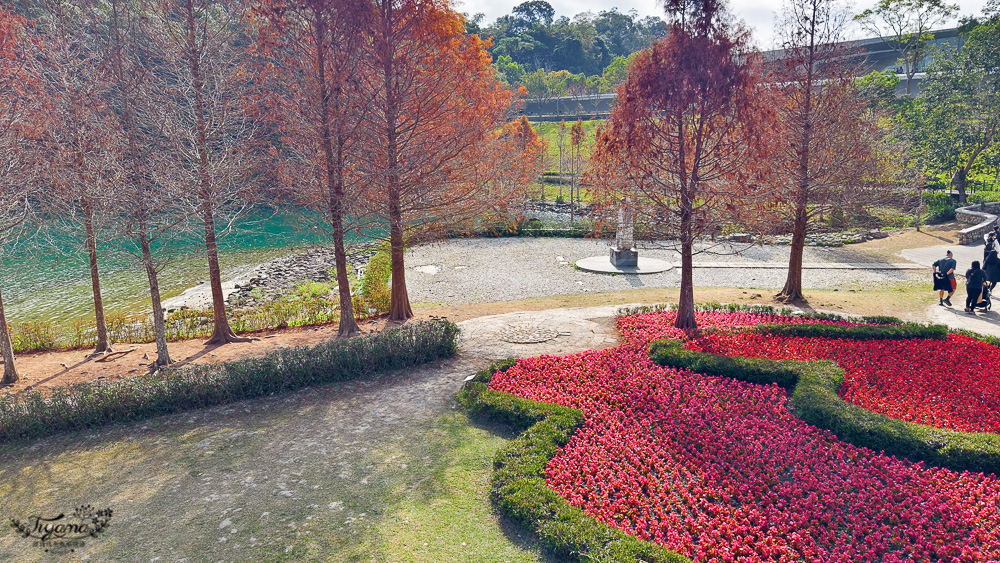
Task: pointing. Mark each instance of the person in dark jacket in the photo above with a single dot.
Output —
(975, 278)
(992, 268)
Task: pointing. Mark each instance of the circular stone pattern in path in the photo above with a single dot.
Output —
(526, 334)
(532, 333)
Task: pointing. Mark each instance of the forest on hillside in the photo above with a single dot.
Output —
(531, 41)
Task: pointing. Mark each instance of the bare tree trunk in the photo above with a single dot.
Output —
(103, 345)
(348, 326)
(335, 186)
(222, 333)
(685, 304)
(9, 369)
(920, 206)
(159, 323)
(792, 292)
(399, 307)
(960, 181)
(560, 172)
(399, 301)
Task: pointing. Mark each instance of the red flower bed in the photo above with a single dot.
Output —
(718, 469)
(647, 327)
(953, 383)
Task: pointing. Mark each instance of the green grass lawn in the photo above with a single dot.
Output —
(553, 191)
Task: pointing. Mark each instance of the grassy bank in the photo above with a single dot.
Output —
(549, 132)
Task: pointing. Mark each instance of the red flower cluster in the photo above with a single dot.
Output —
(647, 327)
(718, 469)
(953, 383)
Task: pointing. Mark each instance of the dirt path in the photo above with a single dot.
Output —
(309, 475)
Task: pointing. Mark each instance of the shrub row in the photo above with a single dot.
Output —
(710, 306)
(87, 405)
(816, 401)
(983, 197)
(903, 331)
(518, 484)
(713, 306)
(940, 207)
(751, 370)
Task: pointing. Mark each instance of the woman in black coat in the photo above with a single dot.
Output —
(992, 268)
(974, 280)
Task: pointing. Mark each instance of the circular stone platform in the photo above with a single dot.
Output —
(603, 265)
(526, 334)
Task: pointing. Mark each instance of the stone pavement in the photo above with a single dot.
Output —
(525, 334)
(955, 317)
(964, 255)
(808, 265)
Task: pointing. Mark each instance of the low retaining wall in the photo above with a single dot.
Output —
(982, 217)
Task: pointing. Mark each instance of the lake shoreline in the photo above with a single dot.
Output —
(270, 280)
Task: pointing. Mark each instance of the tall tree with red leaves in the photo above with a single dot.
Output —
(20, 101)
(827, 147)
(208, 126)
(687, 140)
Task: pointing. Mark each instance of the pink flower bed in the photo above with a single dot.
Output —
(718, 469)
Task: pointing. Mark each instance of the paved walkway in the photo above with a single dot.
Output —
(511, 269)
(955, 317)
(808, 265)
(565, 331)
(964, 255)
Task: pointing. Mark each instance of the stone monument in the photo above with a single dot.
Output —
(623, 252)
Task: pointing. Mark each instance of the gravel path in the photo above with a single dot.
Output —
(508, 269)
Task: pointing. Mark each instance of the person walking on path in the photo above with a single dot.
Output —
(992, 268)
(974, 280)
(944, 278)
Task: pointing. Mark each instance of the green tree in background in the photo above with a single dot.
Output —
(956, 118)
(905, 26)
(534, 38)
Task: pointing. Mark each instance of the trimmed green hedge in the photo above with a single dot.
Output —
(751, 370)
(518, 482)
(88, 405)
(903, 331)
(716, 307)
(815, 401)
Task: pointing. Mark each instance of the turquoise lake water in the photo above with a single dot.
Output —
(49, 278)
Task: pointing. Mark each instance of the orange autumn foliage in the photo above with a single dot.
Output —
(436, 101)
